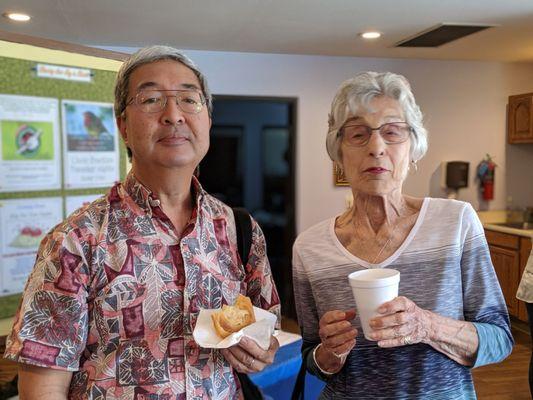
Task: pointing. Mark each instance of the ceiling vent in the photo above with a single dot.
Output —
(441, 34)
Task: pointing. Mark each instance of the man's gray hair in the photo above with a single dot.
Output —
(357, 92)
(149, 55)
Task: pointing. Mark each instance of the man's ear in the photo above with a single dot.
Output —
(121, 124)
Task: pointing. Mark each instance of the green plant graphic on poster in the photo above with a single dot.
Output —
(26, 141)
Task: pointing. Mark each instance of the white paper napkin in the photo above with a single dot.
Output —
(260, 331)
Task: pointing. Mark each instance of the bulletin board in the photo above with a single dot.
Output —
(59, 149)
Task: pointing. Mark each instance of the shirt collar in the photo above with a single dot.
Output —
(147, 200)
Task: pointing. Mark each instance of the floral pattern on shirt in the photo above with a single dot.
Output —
(115, 294)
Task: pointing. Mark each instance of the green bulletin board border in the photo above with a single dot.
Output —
(19, 78)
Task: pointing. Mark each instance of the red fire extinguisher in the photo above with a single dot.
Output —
(485, 174)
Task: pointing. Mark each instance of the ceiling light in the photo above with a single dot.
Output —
(17, 17)
(370, 35)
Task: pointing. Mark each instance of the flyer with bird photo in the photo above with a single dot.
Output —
(89, 126)
(91, 151)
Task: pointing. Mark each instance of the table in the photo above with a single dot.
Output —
(277, 380)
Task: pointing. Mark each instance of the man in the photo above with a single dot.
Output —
(109, 310)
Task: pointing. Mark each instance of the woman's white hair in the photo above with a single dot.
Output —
(357, 92)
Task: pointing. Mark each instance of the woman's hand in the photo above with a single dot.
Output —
(402, 323)
(247, 357)
(338, 338)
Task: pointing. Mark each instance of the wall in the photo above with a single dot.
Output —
(464, 105)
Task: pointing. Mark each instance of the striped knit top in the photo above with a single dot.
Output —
(445, 268)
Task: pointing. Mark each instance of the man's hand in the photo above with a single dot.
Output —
(247, 357)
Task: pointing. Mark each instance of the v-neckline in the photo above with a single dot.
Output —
(389, 260)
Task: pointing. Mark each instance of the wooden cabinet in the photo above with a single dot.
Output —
(509, 254)
(501, 239)
(525, 251)
(520, 119)
(506, 264)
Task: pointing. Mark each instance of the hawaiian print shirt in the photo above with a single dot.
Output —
(115, 294)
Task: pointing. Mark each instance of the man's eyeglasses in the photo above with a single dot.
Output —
(152, 101)
(359, 135)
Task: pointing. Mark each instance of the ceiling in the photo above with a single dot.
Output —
(320, 27)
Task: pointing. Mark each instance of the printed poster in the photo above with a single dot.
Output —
(29, 144)
(23, 224)
(74, 202)
(90, 144)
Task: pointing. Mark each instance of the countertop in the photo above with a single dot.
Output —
(505, 229)
(489, 219)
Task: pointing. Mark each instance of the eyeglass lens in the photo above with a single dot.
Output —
(188, 101)
(359, 135)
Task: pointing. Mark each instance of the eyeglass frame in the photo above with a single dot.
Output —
(340, 133)
(133, 100)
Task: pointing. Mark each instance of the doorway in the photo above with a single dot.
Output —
(251, 164)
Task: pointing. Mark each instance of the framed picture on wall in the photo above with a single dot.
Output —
(338, 176)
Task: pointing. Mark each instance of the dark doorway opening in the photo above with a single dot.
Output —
(251, 164)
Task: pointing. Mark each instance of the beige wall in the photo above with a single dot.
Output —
(464, 104)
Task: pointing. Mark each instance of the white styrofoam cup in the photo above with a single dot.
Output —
(371, 288)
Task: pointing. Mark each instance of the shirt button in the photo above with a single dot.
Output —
(154, 202)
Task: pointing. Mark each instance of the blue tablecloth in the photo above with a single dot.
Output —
(277, 380)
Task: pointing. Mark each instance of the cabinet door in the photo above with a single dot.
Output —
(501, 239)
(519, 119)
(506, 265)
(525, 251)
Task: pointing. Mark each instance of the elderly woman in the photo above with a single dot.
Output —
(450, 315)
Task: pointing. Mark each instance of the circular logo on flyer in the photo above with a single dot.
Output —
(28, 140)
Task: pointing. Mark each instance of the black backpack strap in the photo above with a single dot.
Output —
(298, 391)
(250, 390)
(243, 226)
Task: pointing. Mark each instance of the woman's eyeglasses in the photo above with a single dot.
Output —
(391, 133)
